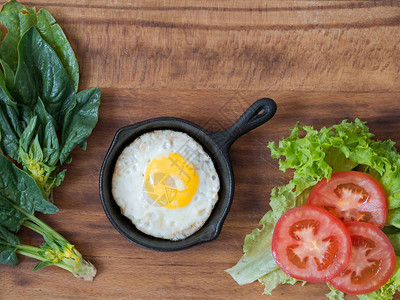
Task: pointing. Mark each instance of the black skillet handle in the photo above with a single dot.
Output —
(257, 114)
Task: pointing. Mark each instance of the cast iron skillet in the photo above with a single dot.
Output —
(216, 144)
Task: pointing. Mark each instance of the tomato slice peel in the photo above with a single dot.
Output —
(351, 196)
(310, 244)
(372, 260)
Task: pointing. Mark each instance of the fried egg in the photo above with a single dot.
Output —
(166, 184)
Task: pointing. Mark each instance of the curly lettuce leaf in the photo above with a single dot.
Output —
(394, 239)
(311, 157)
(334, 294)
(314, 155)
(275, 278)
(393, 218)
(257, 260)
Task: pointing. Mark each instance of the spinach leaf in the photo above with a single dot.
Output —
(35, 150)
(59, 178)
(39, 150)
(38, 83)
(42, 264)
(21, 189)
(53, 34)
(32, 157)
(48, 134)
(9, 123)
(56, 250)
(27, 136)
(17, 18)
(41, 74)
(10, 218)
(8, 241)
(9, 140)
(80, 121)
(14, 212)
(39, 104)
(9, 75)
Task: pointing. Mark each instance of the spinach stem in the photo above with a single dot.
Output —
(65, 267)
(33, 226)
(46, 228)
(30, 254)
(41, 228)
(27, 248)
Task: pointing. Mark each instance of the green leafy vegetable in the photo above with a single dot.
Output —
(8, 244)
(334, 294)
(10, 126)
(80, 121)
(20, 189)
(20, 197)
(393, 218)
(315, 155)
(395, 241)
(40, 73)
(42, 118)
(18, 19)
(275, 278)
(54, 36)
(257, 260)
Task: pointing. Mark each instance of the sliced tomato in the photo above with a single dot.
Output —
(351, 196)
(372, 260)
(310, 244)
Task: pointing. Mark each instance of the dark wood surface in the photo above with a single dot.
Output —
(206, 61)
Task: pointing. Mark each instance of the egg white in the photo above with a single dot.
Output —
(129, 178)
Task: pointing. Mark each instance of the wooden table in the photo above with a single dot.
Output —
(205, 61)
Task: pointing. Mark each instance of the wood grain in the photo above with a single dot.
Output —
(321, 62)
(278, 45)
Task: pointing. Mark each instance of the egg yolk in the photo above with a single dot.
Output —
(170, 181)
